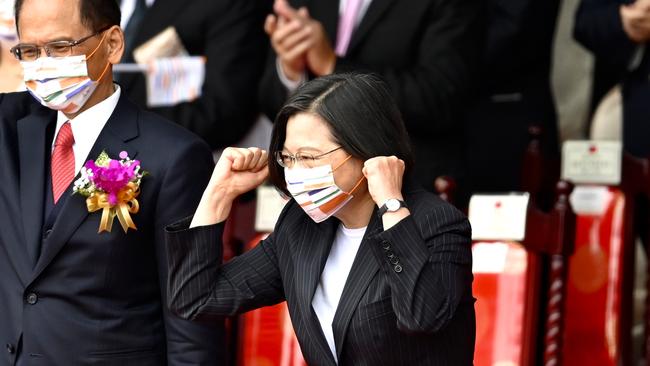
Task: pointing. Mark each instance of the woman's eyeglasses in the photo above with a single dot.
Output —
(308, 160)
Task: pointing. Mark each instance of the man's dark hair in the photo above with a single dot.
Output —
(95, 14)
(360, 112)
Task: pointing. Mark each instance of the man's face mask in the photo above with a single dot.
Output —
(316, 192)
(61, 83)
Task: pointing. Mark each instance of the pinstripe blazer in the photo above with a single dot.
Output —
(407, 300)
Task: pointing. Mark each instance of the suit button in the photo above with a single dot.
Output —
(394, 260)
(32, 298)
(385, 245)
(397, 268)
(11, 349)
(47, 233)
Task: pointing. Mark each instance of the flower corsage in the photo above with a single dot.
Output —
(111, 186)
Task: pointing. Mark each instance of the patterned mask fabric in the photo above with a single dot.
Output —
(61, 83)
(316, 192)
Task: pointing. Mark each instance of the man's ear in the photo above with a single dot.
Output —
(115, 42)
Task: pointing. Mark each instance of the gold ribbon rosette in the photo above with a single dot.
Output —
(103, 183)
(126, 205)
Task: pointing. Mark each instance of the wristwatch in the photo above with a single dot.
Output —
(391, 205)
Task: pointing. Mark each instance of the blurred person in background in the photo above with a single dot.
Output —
(618, 32)
(229, 33)
(427, 51)
(11, 74)
(514, 93)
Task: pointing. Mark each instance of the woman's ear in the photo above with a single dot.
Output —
(115, 42)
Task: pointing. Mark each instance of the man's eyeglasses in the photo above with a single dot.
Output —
(30, 52)
(287, 160)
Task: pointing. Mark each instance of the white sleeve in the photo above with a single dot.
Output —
(289, 84)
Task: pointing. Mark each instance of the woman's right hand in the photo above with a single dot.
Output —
(238, 171)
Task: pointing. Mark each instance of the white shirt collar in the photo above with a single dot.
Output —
(87, 126)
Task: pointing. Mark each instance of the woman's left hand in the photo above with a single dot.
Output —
(384, 175)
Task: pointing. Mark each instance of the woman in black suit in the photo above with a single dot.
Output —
(375, 270)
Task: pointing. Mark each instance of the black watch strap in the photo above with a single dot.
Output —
(384, 208)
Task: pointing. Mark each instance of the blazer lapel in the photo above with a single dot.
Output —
(362, 272)
(374, 13)
(32, 144)
(311, 264)
(121, 127)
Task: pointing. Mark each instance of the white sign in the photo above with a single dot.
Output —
(590, 200)
(268, 207)
(592, 162)
(174, 80)
(499, 217)
(498, 257)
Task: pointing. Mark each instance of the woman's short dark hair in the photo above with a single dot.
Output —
(95, 14)
(360, 112)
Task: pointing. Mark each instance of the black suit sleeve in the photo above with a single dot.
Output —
(435, 272)
(234, 46)
(187, 343)
(201, 288)
(598, 27)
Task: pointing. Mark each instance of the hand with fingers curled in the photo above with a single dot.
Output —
(238, 171)
(384, 175)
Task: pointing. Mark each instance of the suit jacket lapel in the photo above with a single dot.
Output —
(327, 12)
(32, 145)
(311, 264)
(374, 13)
(362, 272)
(121, 127)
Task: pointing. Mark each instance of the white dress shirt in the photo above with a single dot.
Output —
(335, 274)
(87, 126)
(127, 7)
(293, 85)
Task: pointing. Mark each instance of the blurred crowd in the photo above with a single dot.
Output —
(471, 77)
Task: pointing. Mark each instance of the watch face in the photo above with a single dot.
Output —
(392, 205)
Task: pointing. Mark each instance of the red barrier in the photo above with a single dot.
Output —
(509, 289)
(601, 276)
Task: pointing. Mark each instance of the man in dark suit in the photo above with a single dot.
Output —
(68, 294)
(427, 51)
(514, 93)
(230, 35)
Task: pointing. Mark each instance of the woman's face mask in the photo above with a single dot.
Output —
(316, 192)
(61, 83)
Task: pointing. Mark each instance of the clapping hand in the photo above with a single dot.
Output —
(299, 41)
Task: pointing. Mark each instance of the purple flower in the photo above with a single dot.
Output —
(113, 178)
(124, 155)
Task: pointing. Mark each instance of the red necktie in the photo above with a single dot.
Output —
(62, 161)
